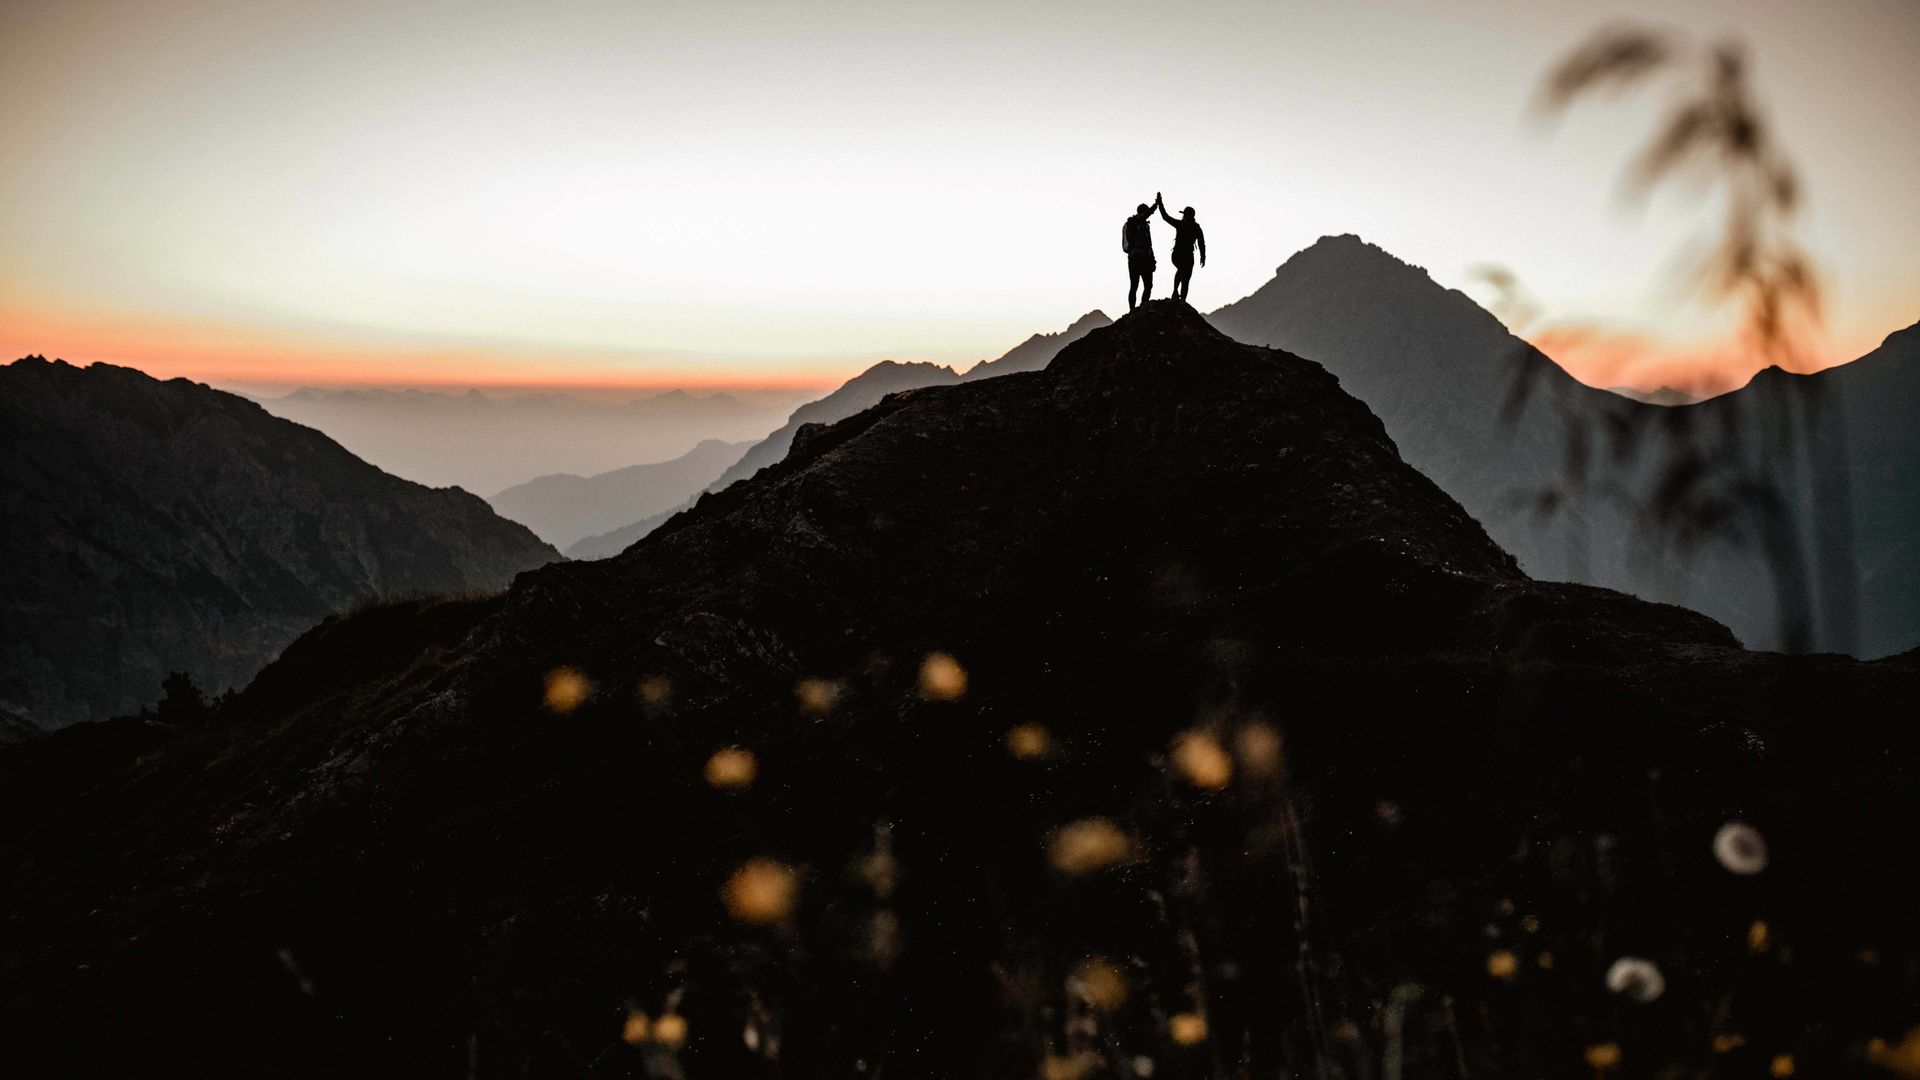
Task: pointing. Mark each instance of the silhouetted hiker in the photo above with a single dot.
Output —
(1136, 239)
(1186, 233)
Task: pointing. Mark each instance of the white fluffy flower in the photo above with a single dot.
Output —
(1636, 979)
(1740, 848)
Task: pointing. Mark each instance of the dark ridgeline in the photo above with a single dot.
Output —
(468, 838)
(860, 392)
(1440, 372)
(159, 526)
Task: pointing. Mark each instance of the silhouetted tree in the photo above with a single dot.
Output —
(181, 701)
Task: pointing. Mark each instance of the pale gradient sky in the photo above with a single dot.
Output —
(725, 193)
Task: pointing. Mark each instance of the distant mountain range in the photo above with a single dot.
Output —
(486, 444)
(161, 526)
(1440, 371)
(563, 508)
(860, 392)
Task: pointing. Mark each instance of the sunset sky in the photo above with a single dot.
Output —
(733, 194)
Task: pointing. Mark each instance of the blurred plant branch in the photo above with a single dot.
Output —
(1722, 470)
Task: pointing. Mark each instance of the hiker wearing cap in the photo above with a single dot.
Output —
(1186, 234)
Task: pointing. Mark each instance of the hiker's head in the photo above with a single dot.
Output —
(1143, 211)
(1187, 213)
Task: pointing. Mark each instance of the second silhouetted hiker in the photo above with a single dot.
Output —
(1136, 239)
(1186, 233)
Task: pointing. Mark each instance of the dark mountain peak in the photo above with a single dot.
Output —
(1373, 275)
(1900, 349)
(1341, 288)
(161, 526)
(1771, 376)
(60, 369)
(1092, 320)
(1347, 247)
(74, 391)
(1348, 256)
(885, 368)
(1078, 328)
(1156, 333)
(1442, 373)
(883, 377)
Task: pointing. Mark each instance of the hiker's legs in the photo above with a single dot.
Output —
(1133, 284)
(1147, 280)
(1182, 275)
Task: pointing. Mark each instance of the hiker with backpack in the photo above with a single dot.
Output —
(1136, 239)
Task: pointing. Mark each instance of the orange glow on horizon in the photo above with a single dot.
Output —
(1611, 359)
(226, 354)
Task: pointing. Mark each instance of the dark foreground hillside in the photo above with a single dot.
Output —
(1145, 716)
(165, 526)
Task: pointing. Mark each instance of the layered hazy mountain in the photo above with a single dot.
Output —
(166, 526)
(860, 392)
(1442, 374)
(486, 443)
(562, 509)
(1156, 675)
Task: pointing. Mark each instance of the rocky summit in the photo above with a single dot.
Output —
(1145, 715)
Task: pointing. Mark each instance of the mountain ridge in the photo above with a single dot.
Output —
(159, 526)
(1445, 375)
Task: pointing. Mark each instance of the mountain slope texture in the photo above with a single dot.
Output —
(161, 526)
(1142, 715)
